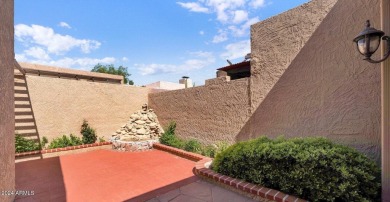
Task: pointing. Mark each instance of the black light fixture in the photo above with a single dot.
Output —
(368, 42)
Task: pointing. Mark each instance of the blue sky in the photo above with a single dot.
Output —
(158, 40)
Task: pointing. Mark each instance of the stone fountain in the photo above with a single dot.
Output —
(139, 133)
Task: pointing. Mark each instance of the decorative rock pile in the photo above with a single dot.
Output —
(139, 133)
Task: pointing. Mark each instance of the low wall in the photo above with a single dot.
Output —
(209, 113)
(60, 105)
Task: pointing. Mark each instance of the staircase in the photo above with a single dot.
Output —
(25, 124)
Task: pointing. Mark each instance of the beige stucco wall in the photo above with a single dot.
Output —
(210, 113)
(60, 105)
(7, 116)
(275, 42)
(327, 90)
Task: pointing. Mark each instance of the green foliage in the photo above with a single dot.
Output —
(101, 139)
(169, 138)
(23, 144)
(221, 146)
(311, 168)
(65, 141)
(111, 69)
(88, 133)
(209, 151)
(193, 146)
(44, 141)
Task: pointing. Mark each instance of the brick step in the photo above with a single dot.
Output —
(24, 120)
(19, 76)
(23, 113)
(22, 99)
(25, 127)
(20, 84)
(27, 134)
(21, 92)
(19, 106)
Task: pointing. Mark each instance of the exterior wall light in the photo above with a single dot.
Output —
(368, 42)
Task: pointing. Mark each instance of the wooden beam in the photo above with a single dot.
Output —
(385, 85)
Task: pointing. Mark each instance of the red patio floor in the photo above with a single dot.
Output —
(103, 175)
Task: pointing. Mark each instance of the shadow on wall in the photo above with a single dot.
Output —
(327, 90)
(25, 123)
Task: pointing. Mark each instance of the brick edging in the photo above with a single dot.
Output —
(241, 185)
(179, 152)
(46, 151)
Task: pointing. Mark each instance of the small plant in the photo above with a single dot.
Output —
(74, 140)
(23, 144)
(101, 139)
(221, 146)
(65, 141)
(44, 141)
(89, 134)
(169, 138)
(193, 146)
(209, 151)
(213, 150)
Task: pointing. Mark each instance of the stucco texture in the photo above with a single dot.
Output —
(210, 113)
(275, 42)
(7, 117)
(327, 90)
(60, 105)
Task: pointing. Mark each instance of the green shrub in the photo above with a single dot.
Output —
(101, 139)
(221, 146)
(169, 138)
(311, 168)
(193, 146)
(209, 151)
(65, 141)
(44, 141)
(88, 133)
(23, 144)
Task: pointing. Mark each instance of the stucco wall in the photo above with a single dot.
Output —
(210, 113)
(327, 90)
(275, 42)
(7, 117)
(60, 105)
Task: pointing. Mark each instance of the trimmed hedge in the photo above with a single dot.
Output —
(311, 168)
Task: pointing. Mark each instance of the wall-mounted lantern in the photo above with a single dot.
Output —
(368, 42)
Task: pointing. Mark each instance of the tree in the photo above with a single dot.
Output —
(111, 69)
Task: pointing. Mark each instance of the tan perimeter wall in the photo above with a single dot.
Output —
(210, 113)
(275, 43)
(7, 116)
(327, 90)
(60, 105)
(307, 80)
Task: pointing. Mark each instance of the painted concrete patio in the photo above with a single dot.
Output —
(105, 175)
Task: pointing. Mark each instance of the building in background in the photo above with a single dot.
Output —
(165, 85)
(236, 71)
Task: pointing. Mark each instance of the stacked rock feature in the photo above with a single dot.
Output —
(140, 131)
